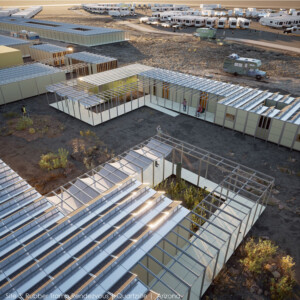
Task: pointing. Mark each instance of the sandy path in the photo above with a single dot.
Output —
(150, 30)
(265, 44)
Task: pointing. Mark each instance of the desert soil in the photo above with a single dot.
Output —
(280, 221)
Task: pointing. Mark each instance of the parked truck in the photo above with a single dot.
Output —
(237, 65)
(206, 33)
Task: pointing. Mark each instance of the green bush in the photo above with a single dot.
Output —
(87, 133)
(24, 123)
(31, 130)
(257, 254)
(282, 288)
(51, 161)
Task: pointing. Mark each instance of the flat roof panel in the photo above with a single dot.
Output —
(49, 48)
(77, 29)
(19, 73)
(90, 57)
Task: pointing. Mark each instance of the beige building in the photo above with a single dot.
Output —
(25, 81)
(10, 57)
(16, 43)
(95, 63)
(53, 54)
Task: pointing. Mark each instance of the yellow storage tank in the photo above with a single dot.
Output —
(10, 57)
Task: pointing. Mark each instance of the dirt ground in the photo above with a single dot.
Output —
(280, 221)
(187, 54)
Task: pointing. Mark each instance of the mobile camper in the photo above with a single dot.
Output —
(281, 21)
(238, 12)
(189, 21)
(232, 23)
(200, 21)
(221, 23)
(211, 22)
(237, 65)
(243, 23)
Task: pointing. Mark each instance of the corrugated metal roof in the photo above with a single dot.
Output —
(49, 48)
(77, 29)
(90, 57)
(115, 74)
(10, 41)
(23, 72)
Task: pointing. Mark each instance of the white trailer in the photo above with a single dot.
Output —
(156, 15)
(238, 12)
(221, 23)
(251, 12)
(211, 22)
(200, 22)
(189, 21)
(280, 22)
(243, 23)
(181, 20)
(209, 6)
(232, 23)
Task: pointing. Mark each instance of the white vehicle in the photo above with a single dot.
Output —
(292, 30)
(211, 22)
(144, 19)
(251, 12)
(232, 22)
(189, 21)
(238, 12)
(229, 13)
(243, 23)
(277, 14)
(156, 15)
(200, 21)
(291, 11)
(221, 23)
(280, 22)
(209, 6)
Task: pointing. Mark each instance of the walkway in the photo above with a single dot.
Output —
(265, 44)
(150, 29)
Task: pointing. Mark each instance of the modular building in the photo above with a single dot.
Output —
(263, 114)
(95, 63)
(66, 32)
(53, 54)
(109, 233)
(25, 81)
(16, 43)
(10, 57)
(101, 97)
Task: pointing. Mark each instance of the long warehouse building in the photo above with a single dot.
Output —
(108, 234)
(69, 33)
